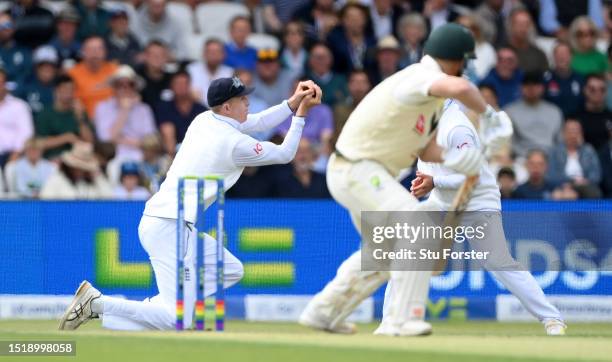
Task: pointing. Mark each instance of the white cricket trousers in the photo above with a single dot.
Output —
(158, 238)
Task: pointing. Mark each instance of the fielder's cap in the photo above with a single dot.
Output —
(267, 55)
(533, 78)
(45, 54)
(451, 42)
(130, 168)
(388, 43)
(223, 89)
(69, 13)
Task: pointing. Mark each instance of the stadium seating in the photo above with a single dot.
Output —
(214, 18)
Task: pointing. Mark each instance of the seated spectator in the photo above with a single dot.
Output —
(506, 77)
(66, 41)
(294, 56)
(154, 72)
(31, 171)
(586, 59)
(556, 16)
(412, 32)
(64, 123)
(279, 12)
(16, 125)
(175, 116)
(272, 84)
(486, 58)
(385, 16)
(122, 45)
(16, 59)
(489, 95)
(574, 161)
(38, 92)
(237, 53)
(439, 12)
(350, 42)
(154, 163)
(536, 187)
(124, 119)
(105, 153)
(130, 187)
(493, 17)
(153, 22)
(563, 85)
(537, 123)
(33, 23)
(208, 69)
(91, 74)
(254, 183)
(299, 180)
(358, 86)
(320, 71)
(319, 18)
(520, 33)
(77, 177)
(94, 18)
(595, 116)
(387, 59)
(605, 158)
(506, 179)
(256, 104)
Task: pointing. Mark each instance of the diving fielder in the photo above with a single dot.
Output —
(216, 143)
(392, 126)
(456, 132)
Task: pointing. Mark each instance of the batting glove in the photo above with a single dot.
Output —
(496, 137)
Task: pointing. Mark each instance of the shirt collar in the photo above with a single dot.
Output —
(431, 63)
(232, 122)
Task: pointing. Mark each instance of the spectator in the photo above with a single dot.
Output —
(294, 56)
(91, 74)
(77, 177)
(575, 162)
(563, 85)
(385, 17)
(237, 53)
(299, 180)
(105, 153)
(38, 92)
(605, 158)
(439, 12)
(14, 58)
(557, 15)
(15, 123)
(506, 77)
(350, 42)
(537, 123)
(154, 163)
(358, 86)
(536, 187)
(387, 59)
(154, 72)
(595, 116)
(586, 58)
(208, 69)
(155, 23)
(254, 183)
(124, 119)
(491, 13)
(175, 116)
(131, 184)
(489, 95)
(412, 30)
(506, 179)
(484, 51)
(65, 41)
(33, 23)
(122, 45)
(272, 84)
(320, 71)
(63, 123)
(94, 18)
(520, 38)
(31, 171)
(256, 104)
(318, 17)
(279, 12)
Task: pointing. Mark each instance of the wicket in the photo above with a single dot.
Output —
(216, 304)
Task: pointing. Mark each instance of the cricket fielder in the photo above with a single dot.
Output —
(392, 126)
(456, 132)
(215, 144)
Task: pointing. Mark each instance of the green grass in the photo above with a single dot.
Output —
(270, 342)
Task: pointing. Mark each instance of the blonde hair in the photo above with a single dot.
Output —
(573, 29)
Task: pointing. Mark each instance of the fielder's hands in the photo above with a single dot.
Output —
(421, 185)
(466, 160)
(303, 89)
(309, 102)
(495, 130)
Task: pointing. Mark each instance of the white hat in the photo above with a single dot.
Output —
(45, 54)
(388, 42)
(81, 156)
(126, 72)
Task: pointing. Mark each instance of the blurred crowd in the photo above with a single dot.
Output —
(96, 96)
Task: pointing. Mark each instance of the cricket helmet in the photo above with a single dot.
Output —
(451, 42)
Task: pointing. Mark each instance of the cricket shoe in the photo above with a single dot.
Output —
(408, 329)
(555, 327)
(79, 311)
(310, 318)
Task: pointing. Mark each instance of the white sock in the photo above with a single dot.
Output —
(97, 305)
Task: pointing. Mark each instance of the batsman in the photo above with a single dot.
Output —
(393, 126)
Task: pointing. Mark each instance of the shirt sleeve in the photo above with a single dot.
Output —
(548, 16)
(251, 152)
(459, 138)
(266, 119)
(416, 90)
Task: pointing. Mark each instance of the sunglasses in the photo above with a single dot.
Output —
(124, 85)
(585, 33)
